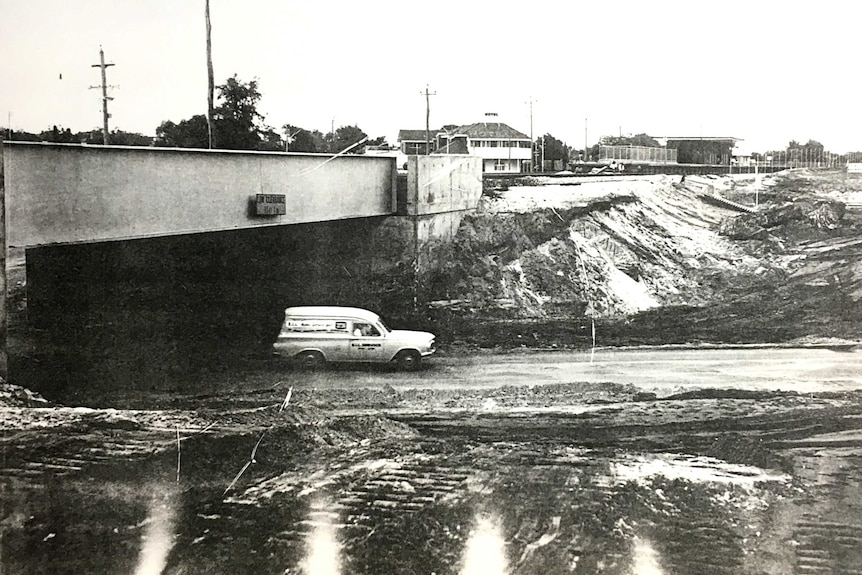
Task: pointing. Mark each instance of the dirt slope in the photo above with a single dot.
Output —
(622, 252)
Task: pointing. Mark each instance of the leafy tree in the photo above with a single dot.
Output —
(636, 140)
(60, 136)
(237, 123)
(811, 151)
(554, 149)
(347, 136)
(270, 140)
(191, 133)
(121, 138)
(303, 140)
(20, 136)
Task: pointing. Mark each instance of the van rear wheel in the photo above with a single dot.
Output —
(310, 359)
(409, 360)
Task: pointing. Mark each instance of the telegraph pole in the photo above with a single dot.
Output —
(209, 77)
(105, 98)
(428, 119)
(585, 139)
(532, 145)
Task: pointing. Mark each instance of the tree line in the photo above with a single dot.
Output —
(237, 125)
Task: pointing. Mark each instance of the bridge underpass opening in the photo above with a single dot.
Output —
(146, 311)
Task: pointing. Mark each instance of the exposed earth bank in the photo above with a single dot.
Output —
(652, 260)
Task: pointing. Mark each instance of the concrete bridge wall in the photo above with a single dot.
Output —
(130, 302)
(58, 193)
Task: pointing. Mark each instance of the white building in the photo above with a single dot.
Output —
(503, 149)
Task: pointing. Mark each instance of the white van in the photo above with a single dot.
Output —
(317, 334)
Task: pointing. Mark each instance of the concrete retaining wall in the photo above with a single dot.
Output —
(69, 194)
(444, 183)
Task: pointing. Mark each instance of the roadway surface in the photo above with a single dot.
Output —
(623, 461)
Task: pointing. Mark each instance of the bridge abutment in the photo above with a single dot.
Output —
(136, 310)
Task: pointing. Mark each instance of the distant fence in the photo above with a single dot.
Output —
(641, 154)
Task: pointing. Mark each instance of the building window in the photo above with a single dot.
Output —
(493, 143)
(500, 165)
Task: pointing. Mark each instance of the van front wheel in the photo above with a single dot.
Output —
(409, 360)
(310, 359)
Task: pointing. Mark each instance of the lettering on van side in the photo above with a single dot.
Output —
(315, 325)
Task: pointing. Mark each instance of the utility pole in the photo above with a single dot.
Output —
(105, 98)
(585, 140)
(210, 82)
(532, 143)
(428, 119)
(543, 154)
(533, 152)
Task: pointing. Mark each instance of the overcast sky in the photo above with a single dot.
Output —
(764, 71)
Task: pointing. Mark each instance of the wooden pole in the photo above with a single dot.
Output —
(210, 82)
(4, 363)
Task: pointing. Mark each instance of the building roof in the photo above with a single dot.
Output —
(455, 145)
(414, 135)
(492, 130)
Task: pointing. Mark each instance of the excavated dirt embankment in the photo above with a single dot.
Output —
(651, 260)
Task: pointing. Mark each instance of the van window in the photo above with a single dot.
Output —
(364, 330)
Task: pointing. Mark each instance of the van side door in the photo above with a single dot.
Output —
(368, 343)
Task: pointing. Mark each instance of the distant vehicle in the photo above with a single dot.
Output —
(314, 335)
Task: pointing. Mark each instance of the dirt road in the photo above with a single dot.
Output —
(642, 461)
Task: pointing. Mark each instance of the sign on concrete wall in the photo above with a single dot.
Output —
(270, 204)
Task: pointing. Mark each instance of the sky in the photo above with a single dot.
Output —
(764, 71)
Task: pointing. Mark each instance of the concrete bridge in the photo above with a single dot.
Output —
(123, 243)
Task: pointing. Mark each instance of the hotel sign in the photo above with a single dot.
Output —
(270, 204)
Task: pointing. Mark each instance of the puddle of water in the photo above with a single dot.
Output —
(157, 538)
(645, 559)
(696, 469)
(485, 552)
(323, 550)
(400, 507)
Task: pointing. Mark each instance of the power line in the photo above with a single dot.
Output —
(105, 98)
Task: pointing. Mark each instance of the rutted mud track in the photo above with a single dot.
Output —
(386, 476)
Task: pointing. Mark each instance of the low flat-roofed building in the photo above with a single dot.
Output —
(706, 150)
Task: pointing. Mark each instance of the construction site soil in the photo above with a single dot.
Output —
(651, 261)
(532, 443)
